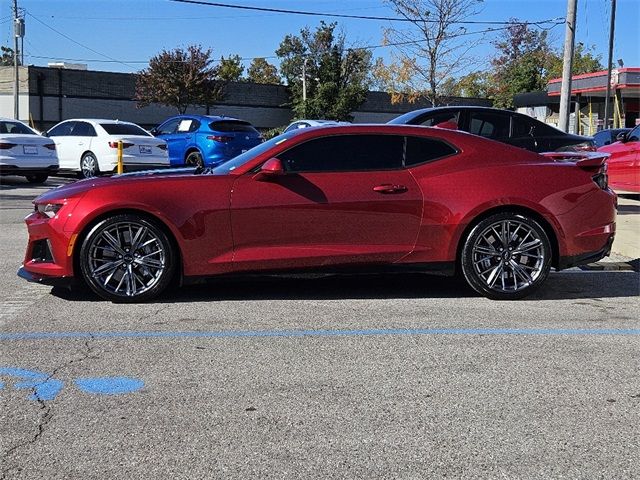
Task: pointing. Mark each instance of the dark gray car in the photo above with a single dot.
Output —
(501, 125)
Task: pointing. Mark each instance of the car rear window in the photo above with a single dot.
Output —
(232, 126)
(15, 127)
(124, 129)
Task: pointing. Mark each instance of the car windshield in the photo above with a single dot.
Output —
(15, 127)
(124, 129)
(228, 167)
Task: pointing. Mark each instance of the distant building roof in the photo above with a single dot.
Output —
(594, 84)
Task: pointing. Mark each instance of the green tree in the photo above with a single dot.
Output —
(7, 56)
(261, 71)
(337, 77)
(429, 48)
(584, 61)
(231, 68)
(472, 85)
(180, 78)
(519, 65)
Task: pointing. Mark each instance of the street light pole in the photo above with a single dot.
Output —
(567, 64)
(609, 64)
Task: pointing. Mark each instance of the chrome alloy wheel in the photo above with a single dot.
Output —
(126, 259)
(508, 256)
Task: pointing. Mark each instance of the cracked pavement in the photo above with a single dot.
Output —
(482, 405)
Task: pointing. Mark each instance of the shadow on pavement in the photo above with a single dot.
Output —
(559, 286)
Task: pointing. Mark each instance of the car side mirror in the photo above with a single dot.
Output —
(272, 168)
(621, 137)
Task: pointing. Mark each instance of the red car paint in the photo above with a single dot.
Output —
(624, 163)
(244, 222)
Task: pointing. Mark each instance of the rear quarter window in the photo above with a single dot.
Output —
(421, 150)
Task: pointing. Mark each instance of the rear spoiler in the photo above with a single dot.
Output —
(585, 160)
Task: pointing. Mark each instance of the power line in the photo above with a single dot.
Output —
(76, 42)
(358, 17)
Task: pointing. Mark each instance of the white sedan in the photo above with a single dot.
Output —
(90, 146)
(23, 152)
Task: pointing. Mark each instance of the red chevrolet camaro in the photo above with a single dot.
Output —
(332, 199)
(624, 162)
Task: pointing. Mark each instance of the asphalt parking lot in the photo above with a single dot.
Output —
(331, 377)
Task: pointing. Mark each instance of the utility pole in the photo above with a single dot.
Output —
(15, 61)
(304, 85)
(567, 64)
(609, 64)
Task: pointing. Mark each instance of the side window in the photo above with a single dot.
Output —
(61, 130)
(634, 135)
(84, 129)
(168, 127)
(187, 125)
(489, 124)
(522, 127)
(344, 153)
(433, 120)
(421, 150)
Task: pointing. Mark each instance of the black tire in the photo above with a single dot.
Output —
(89, 167)
(194, 159)
(37, 177)
(506, 256)
(127, 258)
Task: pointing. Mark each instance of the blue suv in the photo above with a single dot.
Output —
(203, 140)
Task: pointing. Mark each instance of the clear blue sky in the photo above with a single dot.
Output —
(99, 32)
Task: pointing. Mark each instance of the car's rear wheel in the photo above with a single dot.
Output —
(89, 166)
(37, 178)
(194, 159)
(506, 256)
(127, 258)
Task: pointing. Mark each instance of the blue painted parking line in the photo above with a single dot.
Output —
(314, 333)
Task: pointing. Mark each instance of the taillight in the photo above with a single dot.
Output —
(585, 147)
(219, 138)
(124, 144)
(602, 180)
(162, 146)
(50, 146)
(6, 146)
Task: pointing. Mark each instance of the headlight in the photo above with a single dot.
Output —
(48, 209)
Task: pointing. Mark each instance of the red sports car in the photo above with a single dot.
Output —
(332, 199)
(624, 162)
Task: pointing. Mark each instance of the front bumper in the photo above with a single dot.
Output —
(64, 282)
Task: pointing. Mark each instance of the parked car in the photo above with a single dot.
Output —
(624, 162)
(312, 123)
(504, 126)
(90, 146)
(25, 153)
(609, 136)
(202, 140)
(332, 199)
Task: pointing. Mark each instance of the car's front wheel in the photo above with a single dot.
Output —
(506, 256)
(127, 258)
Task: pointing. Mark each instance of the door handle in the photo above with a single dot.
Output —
(390, 188)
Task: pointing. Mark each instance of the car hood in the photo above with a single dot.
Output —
(80, 187)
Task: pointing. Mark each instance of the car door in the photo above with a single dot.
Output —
(62, 136)
(624, 163)
(343, 200)
(84, 135)
(168, 132)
